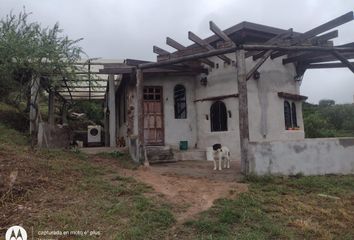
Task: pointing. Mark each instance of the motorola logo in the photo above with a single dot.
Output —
(16, 233)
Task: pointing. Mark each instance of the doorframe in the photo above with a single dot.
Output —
(162, 114)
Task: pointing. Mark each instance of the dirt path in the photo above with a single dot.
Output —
(192, 194)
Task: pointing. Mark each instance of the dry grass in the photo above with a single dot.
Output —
(63, 190)
(281, 208)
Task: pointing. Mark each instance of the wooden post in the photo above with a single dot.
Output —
(51, 117)
(112, 111)
(243, 109)
(106, 122)
(140, 99)
(34, 114)
(64, 116)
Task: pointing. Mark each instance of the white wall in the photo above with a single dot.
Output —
(308, 156)
(177, 130)
(266, 109)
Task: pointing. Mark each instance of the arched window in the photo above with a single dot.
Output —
(180, 102)
(287, 115)
(218, 117)
(293, 115)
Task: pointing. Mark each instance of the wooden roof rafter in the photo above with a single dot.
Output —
(305, 48)
(178, 46)
(193, 37)
(317, 30)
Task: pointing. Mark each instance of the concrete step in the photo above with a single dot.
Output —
(159, 154)
(190, 154)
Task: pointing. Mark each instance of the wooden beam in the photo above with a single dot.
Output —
(202, 43)
(215, 29)
(85, 80)
(318, 30)
(81, 86)
(134, 62)
(174, 44)
(84, 96)
(93, 63)
(328, 65)
(159, 51)
(235, 95)
(258, 64)
(245, 47)
(291, 96)
(324, 37)
(243, 109)
(180, 47)
(325, 27)
(343, 60)
(273, 40)
(317, 56)
(78, 91)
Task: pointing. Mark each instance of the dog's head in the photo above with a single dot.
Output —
(217, 147)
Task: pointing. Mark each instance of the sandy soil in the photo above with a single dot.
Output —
(191, 185)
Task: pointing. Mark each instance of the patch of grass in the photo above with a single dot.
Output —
(13, 118)
(64, 190)
(12, 137)
(280, 208)
(123, 159)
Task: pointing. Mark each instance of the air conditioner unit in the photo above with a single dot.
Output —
(94, 134)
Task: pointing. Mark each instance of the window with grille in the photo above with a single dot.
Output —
(287, 115)
(218, 117)
(180, 102)
(290, 115)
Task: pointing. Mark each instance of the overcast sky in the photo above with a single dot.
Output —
(128, 29)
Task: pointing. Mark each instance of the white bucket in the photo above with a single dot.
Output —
(209, 154)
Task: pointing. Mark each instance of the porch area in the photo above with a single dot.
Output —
(199, 169)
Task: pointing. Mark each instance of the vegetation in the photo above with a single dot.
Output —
(281, 208)
(62, 190)
(30, 51)
(93, 109)
(328, 119)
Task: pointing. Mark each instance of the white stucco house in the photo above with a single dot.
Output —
(201, 106)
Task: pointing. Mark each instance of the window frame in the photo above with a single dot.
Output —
(222, 117)
(180, 101)
(290, 115)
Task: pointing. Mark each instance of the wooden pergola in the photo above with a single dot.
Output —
(86, 84)
(308, 50)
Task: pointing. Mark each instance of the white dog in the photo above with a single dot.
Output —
(221, 153)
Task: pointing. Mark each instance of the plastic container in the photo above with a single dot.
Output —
(183, 145)
(209, 154)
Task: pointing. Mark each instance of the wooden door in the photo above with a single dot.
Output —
(153, 116)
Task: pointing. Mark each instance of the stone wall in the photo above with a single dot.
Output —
(51, 136)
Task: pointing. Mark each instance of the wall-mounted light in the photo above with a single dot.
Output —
(256, 75)
(206, 116)
(229, 112)
(203, 79)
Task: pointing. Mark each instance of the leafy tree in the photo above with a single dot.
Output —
(27, 51)
(328, 120)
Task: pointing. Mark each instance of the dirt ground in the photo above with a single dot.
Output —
(191, 185)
